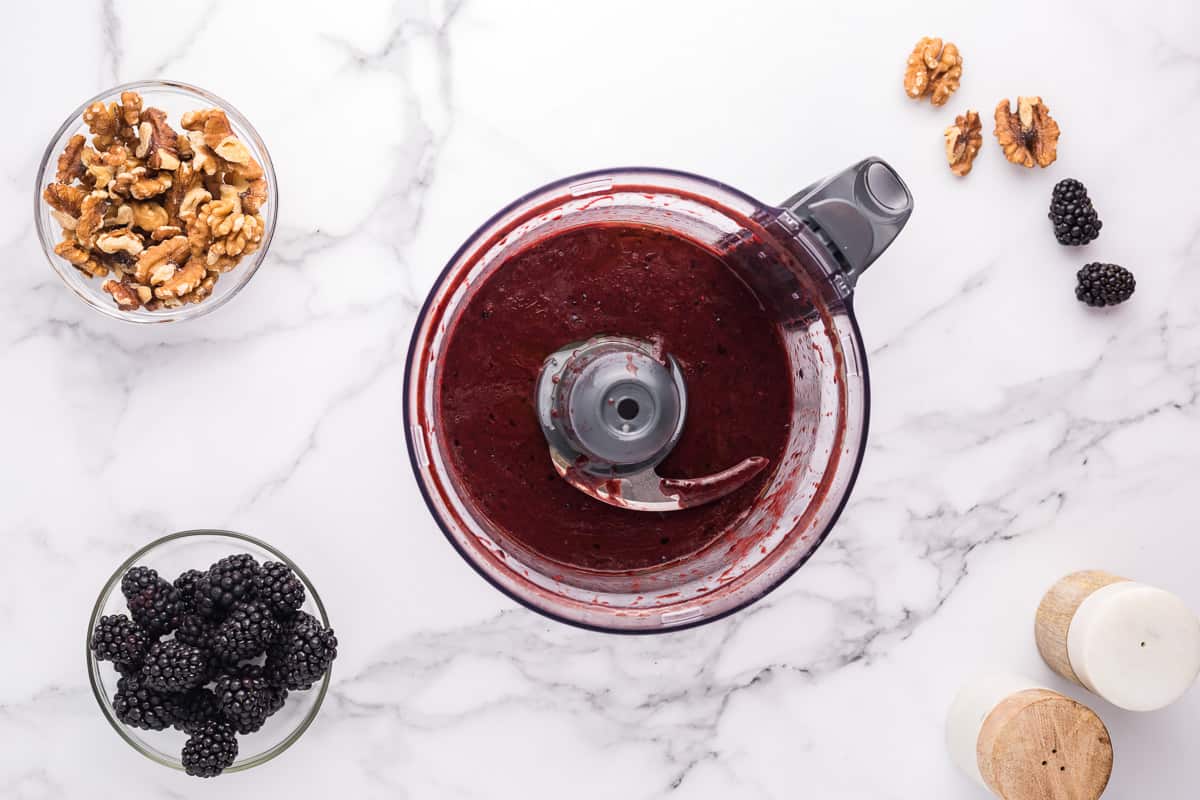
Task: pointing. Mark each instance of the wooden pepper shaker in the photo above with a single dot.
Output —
(1023, 742)
(1136, 646)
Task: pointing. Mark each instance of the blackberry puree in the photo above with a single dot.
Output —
(631, 281)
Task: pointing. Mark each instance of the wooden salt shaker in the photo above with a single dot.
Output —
(1023, 742)
(1136, 646)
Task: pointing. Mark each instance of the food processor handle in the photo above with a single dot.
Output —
(856, 213)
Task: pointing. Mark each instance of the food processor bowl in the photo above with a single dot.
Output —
(801, 260)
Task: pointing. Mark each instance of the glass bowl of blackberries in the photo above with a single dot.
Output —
(209, 652)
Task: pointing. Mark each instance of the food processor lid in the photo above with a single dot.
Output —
(611, 409)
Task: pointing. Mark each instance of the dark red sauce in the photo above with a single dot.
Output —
(631, 281)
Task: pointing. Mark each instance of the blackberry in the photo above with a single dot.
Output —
(195, 630)
(280, 589)
(185, 584)
(250, 670)
(195, 708)
(276, 697)
(244, 700)
(140, 706)
(217, 667)
(137, 579)
(127, 670)
(214, 667)
(211, 749)
(246, 632)
(119, 640)
(230, 580)
(301, 654)
(1075, 219)
(173, 666)
(156, 608)
(1104, 284)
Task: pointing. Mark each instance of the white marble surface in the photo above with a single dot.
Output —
(1016, 435)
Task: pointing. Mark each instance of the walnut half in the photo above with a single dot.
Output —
(124, 295)
(963, 140)
(70, 163)
(157, 142)
(1031, 135)
(933, 70)
(172, 252)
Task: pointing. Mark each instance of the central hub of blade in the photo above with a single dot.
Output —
(612, 408)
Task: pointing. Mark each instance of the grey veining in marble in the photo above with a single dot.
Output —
(1015, 435)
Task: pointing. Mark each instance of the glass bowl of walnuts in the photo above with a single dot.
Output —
(209, 652)
(155, 202)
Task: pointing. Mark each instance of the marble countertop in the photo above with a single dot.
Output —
(1016, 435)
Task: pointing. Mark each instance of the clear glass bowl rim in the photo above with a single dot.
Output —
(94, 666)
(246, 270)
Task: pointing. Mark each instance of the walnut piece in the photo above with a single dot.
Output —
(203, 158)
(101, 120)
(162, 273)
(184, 181)
(120, 241)
(165, 212)
(101, 168)
(182, 281)
(67, 222)
(230, 231)
(211, 122)
(192, 201)
(97, 173)
(231, 149)
(147, 186)
(1031, 135)
(124, 294)
(963, 140)
(933, 71)
(204, 289)
(946, 76)
(255, 195)
(122, 216)
(81, 259)
(70, 163)
(248, 171)
(173, 251)
(64, 198)
(149, 216)
(157, 142)
(916, 75)
(91, 218)
(131, 108)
